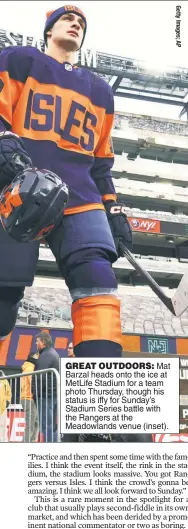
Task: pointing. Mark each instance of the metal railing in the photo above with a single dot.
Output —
(33, 414)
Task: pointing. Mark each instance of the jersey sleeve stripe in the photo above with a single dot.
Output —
(9, 96)
(104, 147)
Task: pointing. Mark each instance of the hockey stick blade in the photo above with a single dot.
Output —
(180, 298)
(174, 305)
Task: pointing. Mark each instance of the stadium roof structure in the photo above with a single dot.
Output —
(136, 79)
(128, 77)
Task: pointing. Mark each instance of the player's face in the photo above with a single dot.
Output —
(69, 31)
(70, 351)
(39, 344)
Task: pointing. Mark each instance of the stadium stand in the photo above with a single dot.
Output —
(141, 311)
(162, 191)
(150, 175)
(149, 170)
(150, 124)
(159, 215)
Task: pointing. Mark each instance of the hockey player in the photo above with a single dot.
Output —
(60, 116)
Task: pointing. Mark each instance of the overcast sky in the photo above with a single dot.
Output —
(144, 30)
(138, 29)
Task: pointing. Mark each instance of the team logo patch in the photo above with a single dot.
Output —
(135, 223)
(68, 67)
(74, 8)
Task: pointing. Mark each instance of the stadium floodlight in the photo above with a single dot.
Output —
(178, 303)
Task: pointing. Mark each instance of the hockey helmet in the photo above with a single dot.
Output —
(33, 204)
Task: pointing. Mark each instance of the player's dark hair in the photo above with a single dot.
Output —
(45, 338)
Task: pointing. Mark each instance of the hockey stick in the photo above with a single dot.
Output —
(178, 303)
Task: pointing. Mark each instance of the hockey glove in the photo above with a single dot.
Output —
(13, 157)
(119, 225)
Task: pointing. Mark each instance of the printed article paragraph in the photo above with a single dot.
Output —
(105, 490)
(129, 395)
